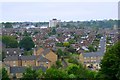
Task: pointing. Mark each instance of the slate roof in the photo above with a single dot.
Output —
(11, 58)
(93, 54)
(22, 69)
(46, 51)
(12, 51)
(43, 59)
(15, 58)
(32, 57)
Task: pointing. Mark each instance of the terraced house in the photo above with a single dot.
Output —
(43, 59)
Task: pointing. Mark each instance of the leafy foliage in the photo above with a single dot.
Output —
(55, 73)
(4, 74)
(28, 52)
(31, 74)
(66, 44)
(73, 60)
(27, 43)
(59, 44)
(80, 72)
(58, 64)
(91, 48)
(59, 53)
(110, 65)
(10, 41)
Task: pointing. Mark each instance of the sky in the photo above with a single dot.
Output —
(64, 11)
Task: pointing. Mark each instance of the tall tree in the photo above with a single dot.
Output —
(4, 74)
(59, 53)
(110, 65)
(26, 43)
(8, 25)
(10, 41)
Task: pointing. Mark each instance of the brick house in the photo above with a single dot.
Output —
(50, 55)
(42, 61)
(28, 60)
(11, 60)
(91, 59)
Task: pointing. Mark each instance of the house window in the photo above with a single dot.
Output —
(14, 52)
(7, 52)
(95, 60)
(14, 65)
(11, 74)
(13, 61)
(46, 62)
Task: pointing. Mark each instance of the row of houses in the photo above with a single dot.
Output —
(92, 59)
(42, 58)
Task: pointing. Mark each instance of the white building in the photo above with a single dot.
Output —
(54, 23)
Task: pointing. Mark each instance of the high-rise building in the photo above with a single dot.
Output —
(55, 23)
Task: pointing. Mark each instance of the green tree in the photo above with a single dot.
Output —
(58, 64)
(53, 73)
(91, 48)
(80, 72)
(66, 44)
(73, 60)
(29, 74)
(73, 69)
(72, 76)
(39, 73)
(72, 41)
(110, 64)
(71, 49)
(59, 53)
(27, 43)
(26, 33)
(30, 52)
(4, 74)
(10, 41)
(8, 25)
(59, 44)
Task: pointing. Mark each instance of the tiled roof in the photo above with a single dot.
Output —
(22, 69)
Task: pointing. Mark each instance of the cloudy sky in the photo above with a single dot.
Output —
(65, 11)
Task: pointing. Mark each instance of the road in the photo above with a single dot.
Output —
(102, 45)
